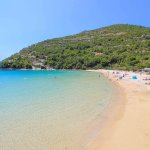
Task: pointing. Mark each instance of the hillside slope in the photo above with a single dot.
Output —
(115, 47)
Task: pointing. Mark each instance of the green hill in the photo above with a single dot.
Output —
(115, 47)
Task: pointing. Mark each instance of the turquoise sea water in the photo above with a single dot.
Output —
(49, 110)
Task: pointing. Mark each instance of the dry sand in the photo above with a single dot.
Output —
(128, 128)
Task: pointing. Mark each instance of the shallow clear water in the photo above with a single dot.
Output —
(49, 110)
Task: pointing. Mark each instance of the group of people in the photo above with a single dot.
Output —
(119, 75)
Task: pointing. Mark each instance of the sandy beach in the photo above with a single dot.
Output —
(128, 126)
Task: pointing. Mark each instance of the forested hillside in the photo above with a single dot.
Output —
(113, 47)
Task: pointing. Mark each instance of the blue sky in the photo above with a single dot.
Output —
(25, 22)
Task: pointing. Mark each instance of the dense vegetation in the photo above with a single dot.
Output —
(115, 47)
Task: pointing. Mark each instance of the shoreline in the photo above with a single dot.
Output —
(124, 123)
(96, 129)
(127, 125)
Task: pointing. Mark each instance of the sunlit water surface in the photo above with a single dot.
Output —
(49, 110)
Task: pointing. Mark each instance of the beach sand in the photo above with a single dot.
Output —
(128, 126)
